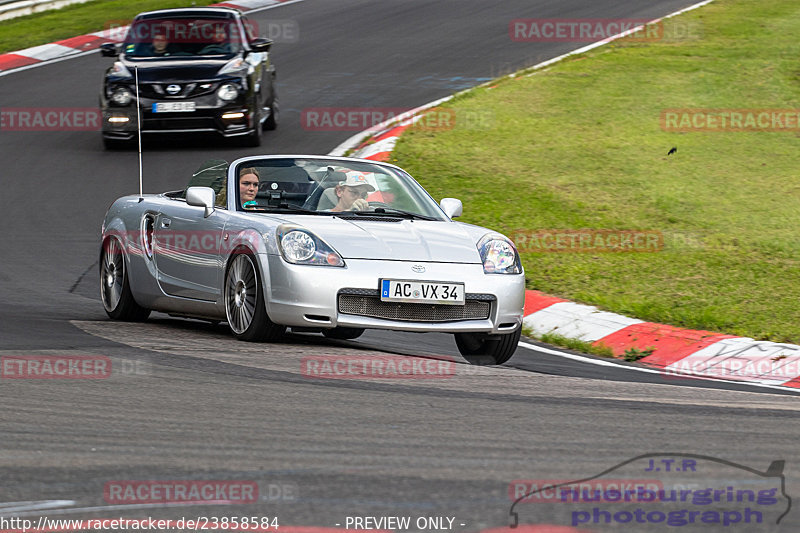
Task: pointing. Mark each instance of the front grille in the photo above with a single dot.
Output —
(179, 123)
(158, 91)
(476, 307)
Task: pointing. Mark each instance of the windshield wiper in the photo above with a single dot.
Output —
(391, 212)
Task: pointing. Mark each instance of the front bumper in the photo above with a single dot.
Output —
(307, 296)
(203, 120)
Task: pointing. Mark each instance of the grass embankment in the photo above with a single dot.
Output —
(580, 146)
(78, 19)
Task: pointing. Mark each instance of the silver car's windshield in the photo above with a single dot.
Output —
(331, 187)
(182, 37)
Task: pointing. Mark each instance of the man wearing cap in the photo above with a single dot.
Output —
(352, 193)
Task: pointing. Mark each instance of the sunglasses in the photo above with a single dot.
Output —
(355, 192)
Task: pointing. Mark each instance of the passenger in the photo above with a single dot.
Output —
(352, 193)
(248, 187)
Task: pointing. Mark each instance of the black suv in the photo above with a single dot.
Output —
(200, 70)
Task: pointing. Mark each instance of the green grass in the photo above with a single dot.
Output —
(575, 344)
(77, 19)
(634, 354)
(579, 145)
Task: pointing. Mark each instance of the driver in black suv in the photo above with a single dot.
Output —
(219, 43)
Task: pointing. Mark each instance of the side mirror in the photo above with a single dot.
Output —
(452, 207)
(261, 44)
(201, 197)
(109, 50)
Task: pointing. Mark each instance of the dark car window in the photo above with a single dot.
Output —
(284, 177)
(182, 37)
(251, 28)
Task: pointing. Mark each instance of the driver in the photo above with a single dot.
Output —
(219, 42)
(248, 187)
(352, 193)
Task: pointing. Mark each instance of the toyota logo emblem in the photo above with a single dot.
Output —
(173, 89)
(419, 269)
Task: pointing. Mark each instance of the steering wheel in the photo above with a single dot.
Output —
(378, 204)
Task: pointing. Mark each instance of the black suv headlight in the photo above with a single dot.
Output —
(121, 96)
(227, 92)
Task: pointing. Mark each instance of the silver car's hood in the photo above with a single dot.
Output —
(407, 240)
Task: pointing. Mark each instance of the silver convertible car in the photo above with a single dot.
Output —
(316, 244)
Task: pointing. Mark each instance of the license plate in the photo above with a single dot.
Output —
(171, 107)
(434, 292)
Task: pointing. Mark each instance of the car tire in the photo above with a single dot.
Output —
(343, 333)
(271, 123)
(244, 302)
(484, 349)
(253, 139)
(116, 144)
(115, 290)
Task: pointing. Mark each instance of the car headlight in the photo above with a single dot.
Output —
(121, 96)
(119, 70)
(234, 66)
(499, 255)
(227, 92)
(301, 247)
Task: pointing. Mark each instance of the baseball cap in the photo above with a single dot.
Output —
(356, 179)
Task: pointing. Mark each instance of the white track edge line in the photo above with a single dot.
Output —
(598, 362)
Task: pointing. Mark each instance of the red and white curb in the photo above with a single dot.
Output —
(675, 352)
(75, 46)
(376, 143)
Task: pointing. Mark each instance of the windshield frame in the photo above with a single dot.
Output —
(430, 209)
(186, 30)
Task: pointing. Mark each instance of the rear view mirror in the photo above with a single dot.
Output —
(261, 44)
(452, 207)
(201, 197)
(109, 50)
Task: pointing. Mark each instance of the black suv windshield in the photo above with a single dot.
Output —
(183, 37)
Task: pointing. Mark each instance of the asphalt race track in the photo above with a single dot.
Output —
(187, 401)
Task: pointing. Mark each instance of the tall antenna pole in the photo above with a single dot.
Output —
(139, 130)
